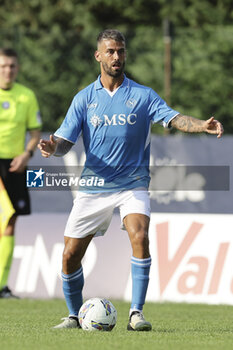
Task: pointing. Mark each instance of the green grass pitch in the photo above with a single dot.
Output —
(27, 324)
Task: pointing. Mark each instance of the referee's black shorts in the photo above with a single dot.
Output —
(15, 184)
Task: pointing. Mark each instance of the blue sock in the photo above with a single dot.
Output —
(140, 269)
(72, 288)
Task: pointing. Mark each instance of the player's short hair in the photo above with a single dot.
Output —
(113, 34)
(8, 52)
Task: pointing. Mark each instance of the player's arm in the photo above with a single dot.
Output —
(63, 147)
(57, 147)
(19, 163)
(189, 124)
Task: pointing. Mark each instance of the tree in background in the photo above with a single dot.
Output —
(56, 40)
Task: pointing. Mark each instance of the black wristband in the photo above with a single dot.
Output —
(30, 152)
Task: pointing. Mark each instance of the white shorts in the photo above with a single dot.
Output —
(92, 213)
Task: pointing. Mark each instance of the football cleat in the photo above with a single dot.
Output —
(5, 293)
(68, 322)
(138, 323)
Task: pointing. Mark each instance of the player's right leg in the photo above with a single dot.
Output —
(90, 215)
(72, 278)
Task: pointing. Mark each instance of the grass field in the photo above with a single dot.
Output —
(26, 324)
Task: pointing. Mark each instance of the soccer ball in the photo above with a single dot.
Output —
(97, 314)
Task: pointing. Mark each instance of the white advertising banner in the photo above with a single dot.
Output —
(192, 259)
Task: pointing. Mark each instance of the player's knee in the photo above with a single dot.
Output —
(140, 239)
(71, 260)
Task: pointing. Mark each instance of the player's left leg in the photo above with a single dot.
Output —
(6, 255)
(137, 226)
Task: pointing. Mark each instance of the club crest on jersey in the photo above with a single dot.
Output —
(6, 105)
(131, 103)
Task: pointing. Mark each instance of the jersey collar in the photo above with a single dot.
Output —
(98, 84)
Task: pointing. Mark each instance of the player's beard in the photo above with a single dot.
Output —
(113, 73)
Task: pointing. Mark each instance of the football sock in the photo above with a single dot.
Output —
(140, 269)
(6, 254)
(72, 288)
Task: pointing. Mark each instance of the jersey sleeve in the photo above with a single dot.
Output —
(33, 115)
(159, 111)
(71, 126)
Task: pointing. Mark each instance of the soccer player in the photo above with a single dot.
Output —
(19, 112)
(114, 115)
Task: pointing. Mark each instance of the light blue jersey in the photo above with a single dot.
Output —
(116, 133)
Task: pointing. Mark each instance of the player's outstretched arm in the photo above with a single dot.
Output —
(47, 147)
(57, 147)
(189, 124)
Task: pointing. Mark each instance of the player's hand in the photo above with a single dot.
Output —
(47, 147)
(212, 126)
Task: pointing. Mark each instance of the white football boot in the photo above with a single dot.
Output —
(137, 322)
(68, 322)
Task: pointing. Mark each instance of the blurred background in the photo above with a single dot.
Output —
(183, 49)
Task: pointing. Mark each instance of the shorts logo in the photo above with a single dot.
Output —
(6, 105)
(21, 203)
(35, 178)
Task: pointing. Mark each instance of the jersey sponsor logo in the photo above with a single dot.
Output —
(131, 103)
(120, 119)
(95, 120)
(5, 105)
(115, 119)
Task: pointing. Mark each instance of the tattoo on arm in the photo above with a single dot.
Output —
(187, 124)
(63, 147)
